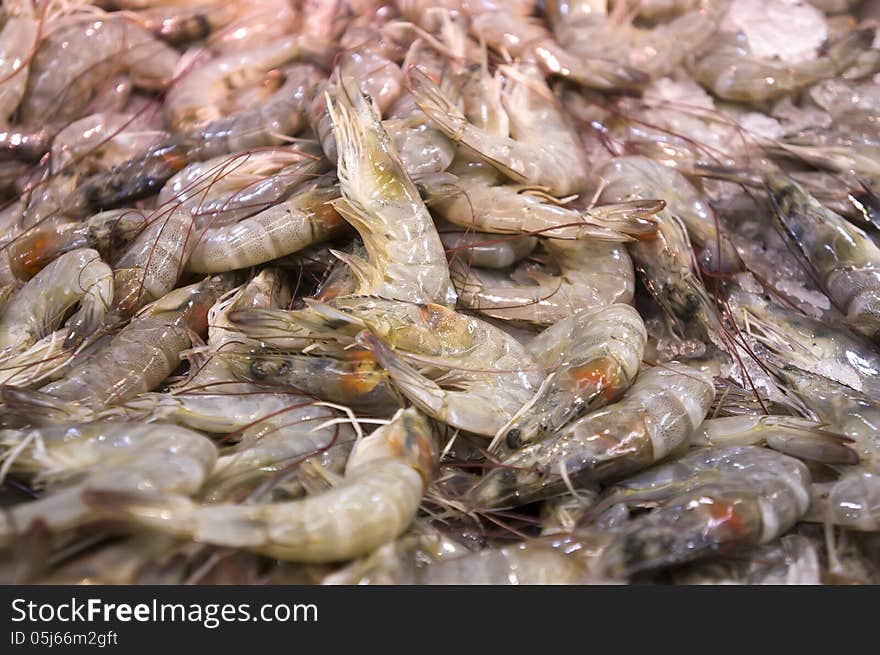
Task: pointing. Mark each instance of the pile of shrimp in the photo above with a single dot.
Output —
(440, 291)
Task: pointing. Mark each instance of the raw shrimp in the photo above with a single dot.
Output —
(591, 358)
(585, 30)
(713, 499)
(656, 415)
(151, 265)
(853, 501)
(792, 560)
(808, 343)
(733, 74)
(308, 217)
(797, 437)
(353, 378)
(485, 250)
(477, 375)
(74, 59)
(543, 149)
(517, 564)
(476, 202)
(514, 32)
(481, 394)
(840, 152)
(109, 456)
(629, 178)
(282, 447)
(666, 263)
(38, 246)
(101, 140)
(136, 360)
(265, 125)
(840, 408)
(844, 258)
(406, 257)
(198, 97)
(376, 501)
(224, 189)
(591, 274)
(38, 308)
(17, 38)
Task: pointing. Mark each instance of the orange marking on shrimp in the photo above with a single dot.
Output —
(724, 514)
(365, 376)
(596, 377)
(175, 161)
(28, 261)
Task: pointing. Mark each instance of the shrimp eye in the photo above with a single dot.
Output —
(284, 368)
(514, 438)
(258, 369)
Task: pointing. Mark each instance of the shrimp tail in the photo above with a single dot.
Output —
(41, 408)
(808, 440)
(38, 361)
(450, 118)
(358, 265)
(634, 218)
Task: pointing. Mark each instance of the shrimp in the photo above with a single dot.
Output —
(224, 189)
(308, 217)
(808, 343)
(712, 499)
(485, 250)
(378, 498)
(101, 140)
(543, 149)
(35, 248)
(474, 201)
(265, 125)
(592, 357)
(639, 177)
(665, 262)
(656, 415)
(585, 30)
(792, 436)
(514, 32)
(353, 378)
(137, 359)
(38, 308)
(407, 260)
(152, 263)
(85, 147)
(852, 501)
(487, 374)
(516, 564)
(481, 394)
(91, 51)
(198, 97)
(792, 560)
(282, 447)
(19, 35)
(845, 259)
(591, 274)
(732, 74)
(839, 152)
(107, 456)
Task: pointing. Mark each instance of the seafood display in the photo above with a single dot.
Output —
(439, 292)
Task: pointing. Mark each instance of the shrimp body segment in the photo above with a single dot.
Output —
(386, 476)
